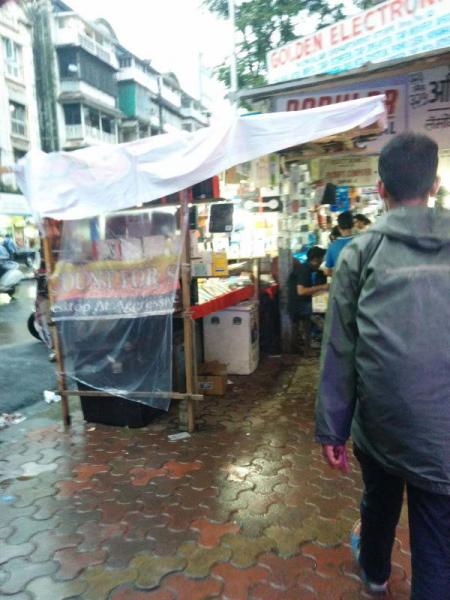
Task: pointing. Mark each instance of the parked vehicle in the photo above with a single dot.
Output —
(10, 274)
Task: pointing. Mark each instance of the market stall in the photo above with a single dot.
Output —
(113, 283)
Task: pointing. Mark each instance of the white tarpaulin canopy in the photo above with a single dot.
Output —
(101, 179)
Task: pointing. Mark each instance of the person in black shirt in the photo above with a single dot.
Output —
(305, 280)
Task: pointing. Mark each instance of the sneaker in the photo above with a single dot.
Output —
(355, 544)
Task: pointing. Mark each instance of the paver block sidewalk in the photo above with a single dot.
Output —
(244, 509)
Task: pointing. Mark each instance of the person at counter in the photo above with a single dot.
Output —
(306, 280)
(345, 226)
(361, 222)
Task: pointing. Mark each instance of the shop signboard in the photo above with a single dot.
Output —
(355, 171)
(429, 103)
(417, 101)
(388, 31)
(393, 88)
(14, 204)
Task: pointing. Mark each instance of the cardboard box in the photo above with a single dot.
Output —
(212, 379)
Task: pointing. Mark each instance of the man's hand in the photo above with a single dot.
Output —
(336, 457)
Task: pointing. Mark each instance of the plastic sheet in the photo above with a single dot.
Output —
(114, 290)
(95, 180)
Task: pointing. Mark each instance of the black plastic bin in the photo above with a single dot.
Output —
(114, 410)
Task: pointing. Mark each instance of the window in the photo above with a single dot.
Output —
(125, 61)
(18, 119)
(72, 114)
(18, 154)
(107, 124)
(68, 63)
(92, 117)
(97, 73)
(13, 58)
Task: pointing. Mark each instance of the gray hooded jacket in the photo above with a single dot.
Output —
(385, 365)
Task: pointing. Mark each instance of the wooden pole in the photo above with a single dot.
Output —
(61, 378)
(170, 395)
(188, 324)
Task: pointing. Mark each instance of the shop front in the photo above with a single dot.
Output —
(17, 222)
(15, 219)
(323, 180)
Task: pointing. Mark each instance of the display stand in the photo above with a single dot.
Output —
(196, 158)
(191, 397)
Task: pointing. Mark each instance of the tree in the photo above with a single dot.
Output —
(265, 24)
(364, 4)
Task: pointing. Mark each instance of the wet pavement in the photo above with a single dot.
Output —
(24, 368)
(244, 509)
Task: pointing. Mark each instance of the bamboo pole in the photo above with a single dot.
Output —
(95, 393)
(61, 378)
(189, 355)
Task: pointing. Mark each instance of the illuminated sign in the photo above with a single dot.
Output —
(393, 29)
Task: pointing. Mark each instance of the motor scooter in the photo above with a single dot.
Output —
(10, 274)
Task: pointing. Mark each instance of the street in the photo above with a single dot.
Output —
(25, 371)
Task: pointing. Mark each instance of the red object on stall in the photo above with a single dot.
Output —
(221, 302)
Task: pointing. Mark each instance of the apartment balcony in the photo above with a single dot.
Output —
(69, 36)
(133, 73)
(192, 113)
(173, 97)
(85, 135)
(78, 88)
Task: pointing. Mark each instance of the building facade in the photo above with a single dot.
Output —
(152, 102)
(76, 67)
(92, 90)
(193, 113)
(19, 130)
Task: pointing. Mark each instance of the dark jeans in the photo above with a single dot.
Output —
(429, 527)
(302, 334)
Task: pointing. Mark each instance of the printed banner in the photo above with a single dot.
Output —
(115, 289)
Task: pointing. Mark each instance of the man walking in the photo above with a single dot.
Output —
(385, 371)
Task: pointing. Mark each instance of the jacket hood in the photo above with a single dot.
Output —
(428, 228)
